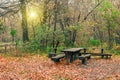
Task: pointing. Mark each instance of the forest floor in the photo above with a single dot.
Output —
(39, 67)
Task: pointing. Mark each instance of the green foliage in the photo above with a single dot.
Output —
(60, 48)
(115, 14)
(105, 6)
(73, 28)
(17, 42)
(108, 20)
(117, 52)
(44, 33)
(31, 46)
(2, 28)
(104, 45)
(94, 42)
(69, 34)
(50, 49)
(13, 32)
(59, 35)
(108, 11)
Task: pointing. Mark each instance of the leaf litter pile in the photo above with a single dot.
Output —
(42, 68)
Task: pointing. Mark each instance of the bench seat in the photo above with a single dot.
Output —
(107, 55)
(51, 54)
(58, 57)
(102, 54)
(84, 57)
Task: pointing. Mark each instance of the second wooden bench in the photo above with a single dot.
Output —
(84, 57)
(58, 57)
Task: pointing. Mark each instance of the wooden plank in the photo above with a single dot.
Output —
(59, 56)
(72, 50)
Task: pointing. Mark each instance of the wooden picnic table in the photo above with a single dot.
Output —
(71, 53)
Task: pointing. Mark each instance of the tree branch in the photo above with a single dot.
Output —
(92, 10)
(9, 7)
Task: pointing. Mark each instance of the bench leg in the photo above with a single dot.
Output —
(102, 56)
(75, 56)
(84, 61)
(89, 57)
(106, 57)
(109, 56)
(56, 60)
(71, 58)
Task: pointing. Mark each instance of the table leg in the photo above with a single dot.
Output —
(67, 59)
(71, 58)
(75, 56)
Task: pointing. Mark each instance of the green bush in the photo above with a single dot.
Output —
(50, 49)
(13, 33)
(31, 46)
(60, 48)
(115, 51)
(94, 42)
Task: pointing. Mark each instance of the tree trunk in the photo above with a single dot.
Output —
(110, 42)
(55, 22)
(24, 20)
(45, 12)
(33, 31)
(13, 38)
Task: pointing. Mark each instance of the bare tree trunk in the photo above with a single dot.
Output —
(45, 12)
(55, 22)
(110, 42)
(33, 27)
(24, 20)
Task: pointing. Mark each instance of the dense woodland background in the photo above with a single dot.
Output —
(47, 24)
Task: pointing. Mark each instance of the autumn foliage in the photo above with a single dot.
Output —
(42, 68)
(117, 47)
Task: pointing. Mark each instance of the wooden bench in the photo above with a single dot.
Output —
(101, 54)
(58, 57)
(51, 54)
(107, 55)
(84, 57)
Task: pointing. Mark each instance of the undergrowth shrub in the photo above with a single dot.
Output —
(94, 42)
(115, 50)
(31, 46)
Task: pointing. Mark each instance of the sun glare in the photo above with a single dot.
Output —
(33, 14)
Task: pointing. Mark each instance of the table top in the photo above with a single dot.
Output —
(72, 49)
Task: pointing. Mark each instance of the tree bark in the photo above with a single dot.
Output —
(110, 42)
(55, 22)
(45, 12)
(24, 20)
